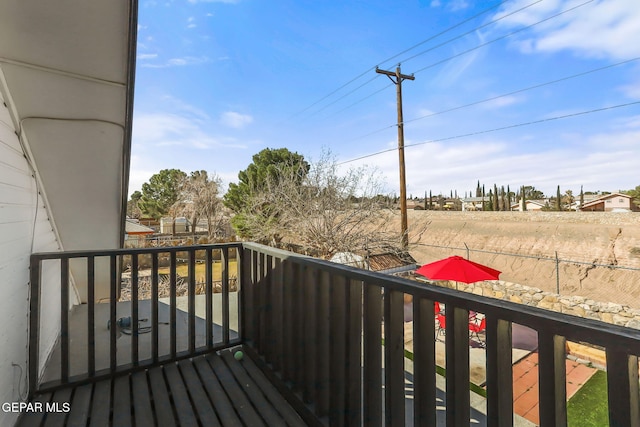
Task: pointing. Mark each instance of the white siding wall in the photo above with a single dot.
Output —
(18, 235)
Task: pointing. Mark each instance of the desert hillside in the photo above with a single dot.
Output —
(582, 237)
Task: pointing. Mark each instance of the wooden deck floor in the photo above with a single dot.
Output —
(210, 390)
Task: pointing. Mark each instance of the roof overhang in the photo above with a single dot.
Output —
(67, 71)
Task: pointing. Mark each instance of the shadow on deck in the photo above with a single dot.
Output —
(209, 390)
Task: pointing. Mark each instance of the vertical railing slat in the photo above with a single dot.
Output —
(394, 358)
(424, 363)
(34, 324)
(622, 388)
(276, 296)
(457, 361)
(155, 322)
(338, 328)
(299, 332)
(372, 382)
(225, 294)
(261, 295)
(323, 339)
(354, 353)
(249, 272)
(552, 379)
(209, 296)
(191, 300)
(172, 303)
(240, 272)
(499, 372)
(309, 343)
(91, 316)
(289, 293)
(134, 310)
(64, 319)
(113, 301)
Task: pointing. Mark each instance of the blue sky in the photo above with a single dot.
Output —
(219, 80)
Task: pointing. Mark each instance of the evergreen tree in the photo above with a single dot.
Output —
(496, 204)
(523, 199)
(558, 199)
(581, 197)
(478, 190)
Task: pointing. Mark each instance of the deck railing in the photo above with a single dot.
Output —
(136, 331)
(332, 335)
(335, 334)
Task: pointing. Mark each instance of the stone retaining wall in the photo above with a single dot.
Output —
(608, 312)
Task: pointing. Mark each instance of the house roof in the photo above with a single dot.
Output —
(533, 202)
(376, 262)
(67, 74)
(604, 198)
(136, 228)
(389, 261)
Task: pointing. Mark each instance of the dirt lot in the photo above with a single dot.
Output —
(580, 239)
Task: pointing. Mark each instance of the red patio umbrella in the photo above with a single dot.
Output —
(458, 269)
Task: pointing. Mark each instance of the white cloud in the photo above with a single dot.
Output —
(144, 56)
(170, 129)
(604, 161)
(602, 29)
(179, 62)
(235, 120)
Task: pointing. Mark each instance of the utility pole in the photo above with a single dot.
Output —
(397, 78)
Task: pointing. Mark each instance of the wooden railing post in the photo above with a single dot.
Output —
(622, 389)
(552, 379)
(424, 363)
(394, 357)
(457, 359)
(372, 381)
(34, 324)
(499, 373)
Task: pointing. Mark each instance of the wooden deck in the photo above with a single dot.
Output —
(210, 390)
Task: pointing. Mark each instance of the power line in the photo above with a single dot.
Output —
(472, 31)
(479, 46)
(456, 26)
(503, 37)
(565, 116)
(364, 73)
(493, 98)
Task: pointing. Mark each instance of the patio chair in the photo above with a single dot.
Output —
(442, 324)
(476, 328)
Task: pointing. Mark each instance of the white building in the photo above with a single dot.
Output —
(66, 99)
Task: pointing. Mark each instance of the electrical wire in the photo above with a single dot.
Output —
(565, 116)
(476, 47)
(519, 30)
(471, 31)
(493, 98)
(403, 52)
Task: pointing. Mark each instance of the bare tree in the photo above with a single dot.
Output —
(199, 198)
(329, 211)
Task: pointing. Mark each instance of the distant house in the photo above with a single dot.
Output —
(611, 202)
(532, 205)
(473, 203)
(135, 233)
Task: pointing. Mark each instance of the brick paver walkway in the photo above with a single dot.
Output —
(525, 384)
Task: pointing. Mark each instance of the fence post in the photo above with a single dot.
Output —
(465, 245)
(557, 274)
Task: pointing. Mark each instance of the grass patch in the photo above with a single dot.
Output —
(588, 407)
